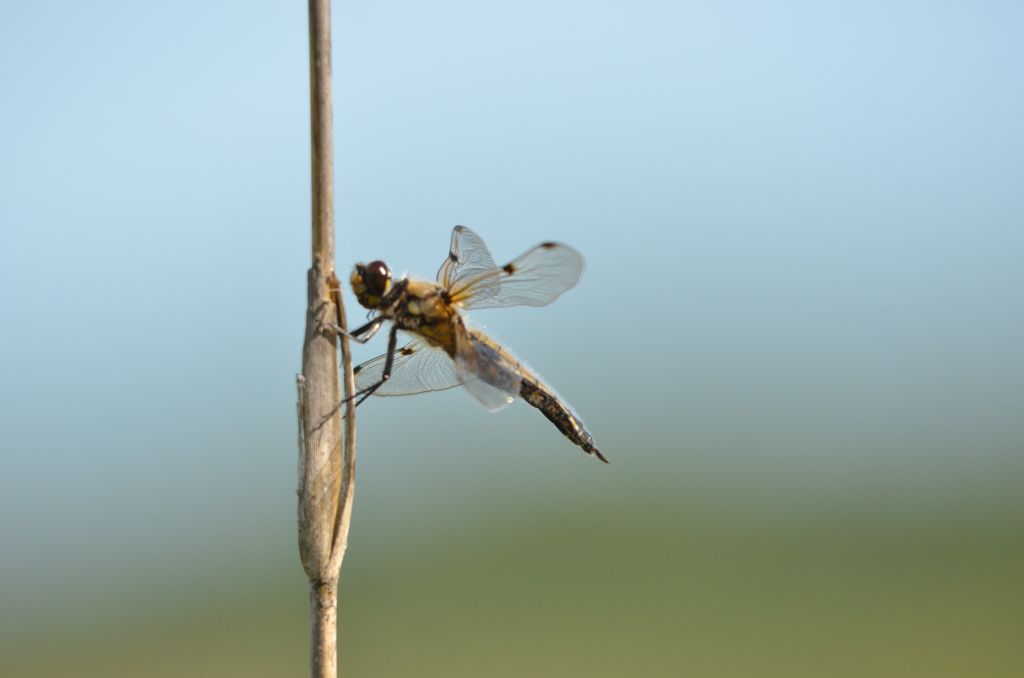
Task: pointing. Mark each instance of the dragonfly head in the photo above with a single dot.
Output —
(370, 282)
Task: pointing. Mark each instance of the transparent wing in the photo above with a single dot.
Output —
(417, 368)
(468, 259)
(535, 278)
(488, 372)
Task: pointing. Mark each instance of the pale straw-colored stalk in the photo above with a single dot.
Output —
(327, 449)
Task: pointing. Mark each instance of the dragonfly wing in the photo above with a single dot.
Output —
(468, 259)
(487, 372)
(417, 368)
(535, 278)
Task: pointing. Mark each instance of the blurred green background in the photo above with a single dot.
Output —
(798, 338)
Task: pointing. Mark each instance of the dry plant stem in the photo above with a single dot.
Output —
(326, 458)
(322, 130)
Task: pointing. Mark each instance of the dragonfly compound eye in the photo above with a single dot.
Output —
(377, 277)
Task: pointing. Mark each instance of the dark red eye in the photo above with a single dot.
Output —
(377, 276)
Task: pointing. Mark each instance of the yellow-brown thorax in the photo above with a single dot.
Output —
(423, 310)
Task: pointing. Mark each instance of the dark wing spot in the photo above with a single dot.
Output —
(452, 256)
(549, 245)
(407, 350)
(509, 268)
(357, 369)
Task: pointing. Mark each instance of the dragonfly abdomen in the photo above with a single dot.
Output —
(560, 415)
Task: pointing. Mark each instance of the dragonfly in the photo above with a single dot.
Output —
(445, 351)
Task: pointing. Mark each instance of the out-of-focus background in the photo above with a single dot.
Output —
(798, 338)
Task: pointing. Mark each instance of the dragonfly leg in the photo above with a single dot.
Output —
(388, 363)
(363, 333)
(365, 393)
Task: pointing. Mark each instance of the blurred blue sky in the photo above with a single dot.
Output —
(802, 223)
